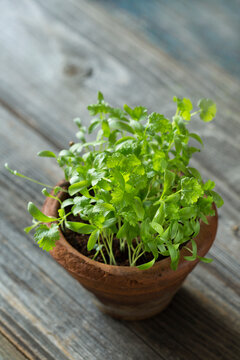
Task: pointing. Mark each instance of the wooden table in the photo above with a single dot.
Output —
(55, 55)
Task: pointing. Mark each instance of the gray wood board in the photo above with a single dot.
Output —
(8, 351)
(192, 32)
(44, 311)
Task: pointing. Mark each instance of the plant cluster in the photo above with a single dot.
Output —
(133, 183)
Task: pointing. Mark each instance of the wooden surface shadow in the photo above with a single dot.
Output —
(187, 329)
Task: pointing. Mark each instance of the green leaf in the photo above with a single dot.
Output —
(67, 202)
(100, 97)
(119, 179)
(138, 208)
(77, 187)
(205, 260)
(184, 106)
(94, 126)
(178, 144)
(174, 255)
(38, 215)
(79, 227)
(187, 213)
(217, 199)
(29, 228)
(191, 190)
(157, 227)
(196, 174)
(103, 207)
(105, 128)
(194, 248)
(109, 222)
(122, 232)
(189, 258)
(196, 137)
(159, 215)
(158, 123)
(46, 153)
(78, 122)
(146, 265)
(169, 178)
(209, 185)
(123, 139)
(121, 126)
(93, 239)
(46, 237)
(159, 161)
(208, 109)
(138, 113)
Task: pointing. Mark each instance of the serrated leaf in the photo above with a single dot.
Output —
(208, 109)
(46, 237)
(158, 123)
(191, 190)
(209, 185)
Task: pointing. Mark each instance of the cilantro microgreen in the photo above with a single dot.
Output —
(132, 184)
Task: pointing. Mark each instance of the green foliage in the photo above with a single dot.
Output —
(133, 183)
(46, 237)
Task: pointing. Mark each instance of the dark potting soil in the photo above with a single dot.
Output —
(79, 242)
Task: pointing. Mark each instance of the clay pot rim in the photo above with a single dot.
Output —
(124, 270)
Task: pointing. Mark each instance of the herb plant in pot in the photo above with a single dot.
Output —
(131, 219)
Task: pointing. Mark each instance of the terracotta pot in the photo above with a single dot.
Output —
(127, 292)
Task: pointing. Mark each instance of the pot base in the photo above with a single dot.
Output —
(132, 312)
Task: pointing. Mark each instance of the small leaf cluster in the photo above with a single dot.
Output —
(133, 183)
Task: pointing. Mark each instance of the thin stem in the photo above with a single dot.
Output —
(129, 255)
(104, 259)
(16, 173)
(196, 112)
(138, 257)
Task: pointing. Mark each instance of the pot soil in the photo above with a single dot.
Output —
(126, 292)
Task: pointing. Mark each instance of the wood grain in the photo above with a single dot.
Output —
(8, 351)
(54, 59)
(191, 32)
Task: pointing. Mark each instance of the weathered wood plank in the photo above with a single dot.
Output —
(191, 32)
(8, 351)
